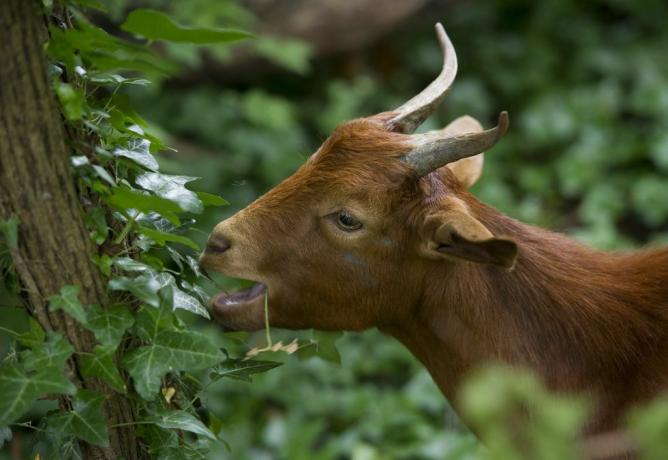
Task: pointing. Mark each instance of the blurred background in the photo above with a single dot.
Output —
(586, 85)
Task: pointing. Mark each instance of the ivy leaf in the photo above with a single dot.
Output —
(146, 365)
(86, 421)
(109, 324)
(155, 25)
(104, 175)
(34, 336)
(209, 199)
(68, 301)
(171, 350)
(131, 265)
(138, 150)
(187, 302)
(105, 78)
(71, 99)
(51, 353)
(182, 421)
(145, 287)
(101, 364)
(124, 198)
(96, 221)
(164, 237)
(172, 188)
(180, 299)
(20, 389)
(242, 369)
(151, 321)
(9, 228)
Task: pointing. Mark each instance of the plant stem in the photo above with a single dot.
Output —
(266, 320)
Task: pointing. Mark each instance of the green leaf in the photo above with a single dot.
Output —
(172, 188)
(105, 78)
(181, 299)
(164, 237)
(104, 175)
(34, 336)
(101, 364)
(130, 265)
(68, 301)
(51, 353)
(156, 25)
(187, 302)
(109, 324)
(171, 350)
(96, 222)
(242, 369)
(20, 389)
(10, 230)
(124, 198)
(86, 421)
(71, 99)
(138, 150)
(151, 321)
(209, 199)
(182, 421)
(145, 287)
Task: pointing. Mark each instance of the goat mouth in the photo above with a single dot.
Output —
(242, 309)
(239, 298)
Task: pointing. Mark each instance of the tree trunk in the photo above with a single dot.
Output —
(36, 186)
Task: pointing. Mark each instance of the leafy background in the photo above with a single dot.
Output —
(586, 85)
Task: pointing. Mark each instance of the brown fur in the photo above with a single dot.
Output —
(584, 320)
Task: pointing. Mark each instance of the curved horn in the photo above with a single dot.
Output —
(435, 149)
(411, 114)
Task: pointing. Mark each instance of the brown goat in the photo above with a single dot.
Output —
(378, 229)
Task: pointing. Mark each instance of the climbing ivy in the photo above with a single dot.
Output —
(138, 218)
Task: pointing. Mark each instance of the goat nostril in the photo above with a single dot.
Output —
(217, 245)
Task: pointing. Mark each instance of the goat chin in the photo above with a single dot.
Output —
(241, 310)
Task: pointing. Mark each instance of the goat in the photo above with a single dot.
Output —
(378, 229)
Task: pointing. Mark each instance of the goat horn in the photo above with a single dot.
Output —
(411, 114)
(434, 149)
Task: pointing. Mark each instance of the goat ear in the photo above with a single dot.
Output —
(458, 235)
(467, 170)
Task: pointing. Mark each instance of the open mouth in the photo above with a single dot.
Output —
(242, 309)
(240, 297)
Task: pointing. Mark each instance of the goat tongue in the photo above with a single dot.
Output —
(241, 310)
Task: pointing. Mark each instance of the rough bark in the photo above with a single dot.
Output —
(36, 185)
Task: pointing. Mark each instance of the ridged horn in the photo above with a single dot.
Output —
(435, 149)
(411, 114)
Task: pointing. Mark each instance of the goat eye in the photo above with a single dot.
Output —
(347, 222)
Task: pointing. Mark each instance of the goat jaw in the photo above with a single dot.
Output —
(241, 310)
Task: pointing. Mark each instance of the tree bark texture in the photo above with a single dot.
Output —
(37, 186)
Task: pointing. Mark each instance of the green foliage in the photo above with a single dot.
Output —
(168, 350)
(156, 25)
(20, 388)
(85, 421)
(68, 301)
(101, 364)
(142, 346)
(52, 352)
(241, 369)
